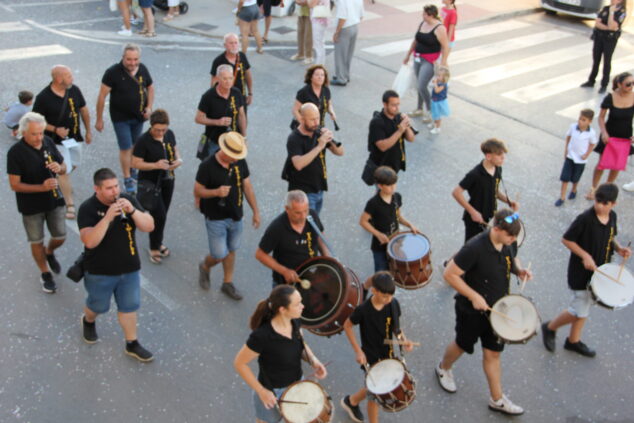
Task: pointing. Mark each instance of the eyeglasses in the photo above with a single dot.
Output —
(512, 218)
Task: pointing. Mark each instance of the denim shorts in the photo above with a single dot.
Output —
(261, 413)
(55, 222)
(126, 289)
(315, 201)
(223, 237)
(145, 3)
(249, 13)
(380, 261)
(580, 303)
(127, 132)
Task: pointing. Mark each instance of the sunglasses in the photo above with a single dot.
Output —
(628, 84)
(512, 218)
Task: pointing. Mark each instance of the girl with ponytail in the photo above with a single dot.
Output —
(277, 343)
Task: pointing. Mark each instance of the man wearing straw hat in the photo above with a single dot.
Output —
(222, 183)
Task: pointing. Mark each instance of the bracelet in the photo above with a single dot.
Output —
(133, 211)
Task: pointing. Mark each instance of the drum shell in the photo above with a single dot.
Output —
(598, 301)
(326, 414)
(526, 339)
(401, 397)
(412, 274)
(352, 297)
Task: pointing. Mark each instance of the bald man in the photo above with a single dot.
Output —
(305, 167)
(233, 57)
(63, 106)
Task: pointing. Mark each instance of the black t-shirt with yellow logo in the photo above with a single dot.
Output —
(61, 112)
(375, 326)
(211, 174)
(117, 253)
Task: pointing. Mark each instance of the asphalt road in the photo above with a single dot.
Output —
(48, 374)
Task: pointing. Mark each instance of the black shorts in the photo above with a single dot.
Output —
(470, 326)
(266, 6)
(571, 172)
(472, 229)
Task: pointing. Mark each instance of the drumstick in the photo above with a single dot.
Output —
(397, 342)
(292, 402)
(499, 313)
(609, 277)
(525, 277)
(623, 263)
(326, 364)
(367, 371)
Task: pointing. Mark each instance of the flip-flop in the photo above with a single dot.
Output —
(70, 212)
(164, 251)
(155, 258)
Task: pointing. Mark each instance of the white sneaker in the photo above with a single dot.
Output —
(445, 378)
(417, 112)
(308, 60)
(629, 187)
(435, 131)
(125, 32)
(431, 125)
(504, 405)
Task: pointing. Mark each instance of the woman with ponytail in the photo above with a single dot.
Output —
(277, 343)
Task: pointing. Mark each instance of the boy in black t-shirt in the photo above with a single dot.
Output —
(381, 216)
(378, 319)
(591, 241)
(483, 184)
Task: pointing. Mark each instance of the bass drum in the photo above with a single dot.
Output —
(334, 292)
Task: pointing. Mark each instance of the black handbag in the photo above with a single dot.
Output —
(148, 193)
(76, 272)
(368, 172)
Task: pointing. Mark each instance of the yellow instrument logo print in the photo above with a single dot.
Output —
(309, 240)
(508, 268)
(401, 143)
(322, 157)
(388, 325)
(323, 112)
(244, 85)
(128, 229)
(141, 95)
(73, 115)
(234, 113)
(238, 185)
(495, 194)
(170, 155)
(608, 248)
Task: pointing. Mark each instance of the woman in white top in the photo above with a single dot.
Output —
(248, 13)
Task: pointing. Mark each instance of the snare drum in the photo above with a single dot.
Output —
(335, 291)
(409, 256)
(608, 293)
(317, 410)
(523, 319)
(391, 383)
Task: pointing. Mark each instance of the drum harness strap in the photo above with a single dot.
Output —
(312, 223)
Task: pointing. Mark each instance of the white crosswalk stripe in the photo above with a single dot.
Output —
(401, 46)
(572, 112)
(13, 27)
(32, 52)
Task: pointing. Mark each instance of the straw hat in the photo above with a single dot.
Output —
(233, 145)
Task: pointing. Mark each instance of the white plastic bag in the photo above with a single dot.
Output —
(113, 5)
(405, 80)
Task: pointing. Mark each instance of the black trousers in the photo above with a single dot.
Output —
(471, 229)
(603, 46)
(160, 214)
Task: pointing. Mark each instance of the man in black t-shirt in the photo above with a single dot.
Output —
(62, 103)
(306, 162)
(131, 92)
(378, 319)
(33, 164)
(238, 61)
(222, 183)
(107, 222)
(483, 185)
(221, 109)
(389, 129)
(481, 273)
(291, 239)
(591, 239)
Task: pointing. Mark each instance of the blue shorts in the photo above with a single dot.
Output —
(249, 13)
(571, 172)
(145, 3)
(261, 413)
(315, 201)
(126, 289)
(127, 132)
(223, 237)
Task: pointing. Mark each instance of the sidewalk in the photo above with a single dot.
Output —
(385, 18)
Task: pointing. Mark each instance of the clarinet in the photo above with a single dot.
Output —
(48, 159)
(399, 118)
(333, 142)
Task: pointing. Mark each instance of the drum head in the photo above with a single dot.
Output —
(384, 376)
(327, 288)
(303, 391)
(523, 318)
(408, 246)
(610, 293)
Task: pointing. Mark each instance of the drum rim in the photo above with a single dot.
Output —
(403, 234)
(526, 338)
(367, 375)
(298, 382)
(328, 264)
(597, 298)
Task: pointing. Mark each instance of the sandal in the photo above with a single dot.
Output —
(150, 34)
(168, 17)
(590, 194)
(155, 258)
(70, 212)
(143, 31)
(164, 251)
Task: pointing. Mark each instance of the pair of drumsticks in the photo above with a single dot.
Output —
(618, 276)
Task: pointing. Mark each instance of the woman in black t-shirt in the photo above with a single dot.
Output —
(276, 341)
(616, 133)
(607, 29)
(156, 156)
(315, 91)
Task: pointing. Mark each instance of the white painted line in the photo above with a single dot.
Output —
(32, 52)
(505, 46)
(86, 21)
(66, 34)
(13, 27)
(150, 288)
(6, 8)
(160, 38)
(522, 66)
(562, 83)
(402, 46)
(572, 112)
(54, 3)
(367, 16)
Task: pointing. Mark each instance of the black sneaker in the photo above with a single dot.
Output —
(587, 84)
(548, 336)
(353, 410)
(48, 284)
(603, 89)
(134, 349)
(53, 263)
(230, 291)
(580, 348)
(89, 331)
